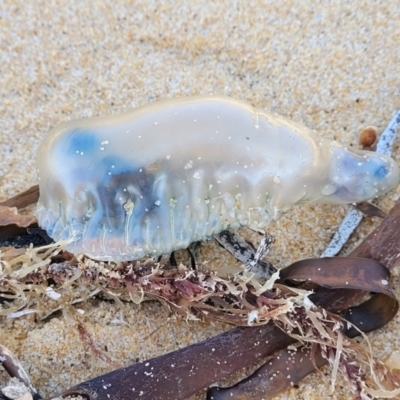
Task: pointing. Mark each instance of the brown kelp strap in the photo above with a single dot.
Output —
(341, 272)
(284, 370)
(179, 374)
(11, 222)
(24, 199)
(351, 273)
(370, 209)
(290, 366)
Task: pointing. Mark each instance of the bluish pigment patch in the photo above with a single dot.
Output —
(112, 166)
(81, 141)
(347, 164)
(381, 172)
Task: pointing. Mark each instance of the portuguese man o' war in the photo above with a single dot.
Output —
(178, 171)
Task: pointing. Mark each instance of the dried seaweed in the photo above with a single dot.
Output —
(185, 291)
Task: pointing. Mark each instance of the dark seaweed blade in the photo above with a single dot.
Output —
(24, 199)
(341, 272)
(370, 209)
(13, 224)
(381, 245)
(14, 227)
(180, 374)
(284, 370)
(289, 367)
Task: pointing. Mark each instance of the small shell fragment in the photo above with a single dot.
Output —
(368, 137)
